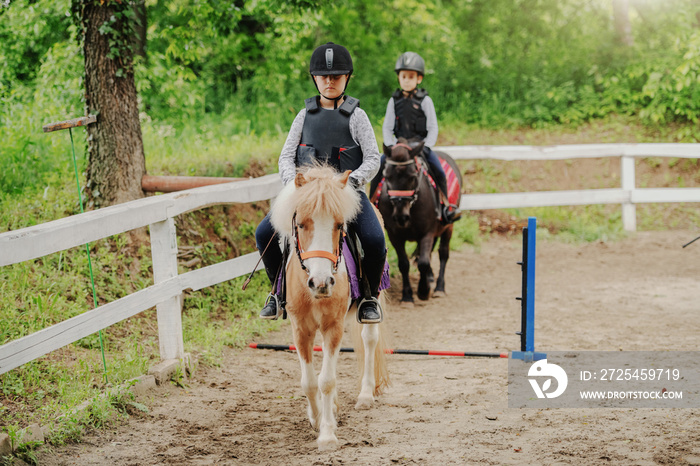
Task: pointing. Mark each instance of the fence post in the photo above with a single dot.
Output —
(164, 254)
(629, 210)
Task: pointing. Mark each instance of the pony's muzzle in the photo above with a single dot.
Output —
(401, 218)
(321, 288)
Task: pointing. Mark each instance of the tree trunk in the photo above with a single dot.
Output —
(623, 28)
(139, 38)
(116, 160)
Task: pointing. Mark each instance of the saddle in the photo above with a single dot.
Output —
(353, 254)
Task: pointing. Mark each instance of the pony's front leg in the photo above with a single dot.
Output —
(327, 382)
(370, 339)
(309, 383)
(444, 252)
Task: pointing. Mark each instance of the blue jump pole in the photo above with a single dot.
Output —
(527, 300)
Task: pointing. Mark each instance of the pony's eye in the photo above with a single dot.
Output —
(339, 226)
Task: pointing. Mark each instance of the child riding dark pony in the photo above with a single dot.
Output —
(410, 114)
(332, 130)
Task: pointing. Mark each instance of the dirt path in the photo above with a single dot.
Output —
(637, 294)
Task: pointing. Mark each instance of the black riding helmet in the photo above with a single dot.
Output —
(331, 59)
(410, 61)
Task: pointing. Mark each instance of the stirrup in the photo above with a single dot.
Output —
(272, 296)
(379, 308)
(450, 213)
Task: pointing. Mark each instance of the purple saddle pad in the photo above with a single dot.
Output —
(352, 274)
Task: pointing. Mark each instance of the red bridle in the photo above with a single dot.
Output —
(405, 194)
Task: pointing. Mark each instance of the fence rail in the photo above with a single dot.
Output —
(628, 195)
(158, 214)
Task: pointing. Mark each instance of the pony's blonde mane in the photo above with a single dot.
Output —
(323, 193)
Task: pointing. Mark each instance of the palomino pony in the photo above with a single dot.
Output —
(410, 208)
(312, 214)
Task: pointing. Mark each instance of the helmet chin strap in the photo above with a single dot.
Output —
(335, 101)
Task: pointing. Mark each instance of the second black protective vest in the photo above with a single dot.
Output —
(410, 118)
(326, 137)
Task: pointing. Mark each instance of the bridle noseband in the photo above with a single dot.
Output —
(303, 255)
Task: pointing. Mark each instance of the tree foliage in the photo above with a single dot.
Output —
(490, 62)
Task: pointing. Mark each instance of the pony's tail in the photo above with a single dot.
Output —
(381, 370)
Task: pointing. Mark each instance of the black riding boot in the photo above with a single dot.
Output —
(272, 307)
(447, 210)
(269, 311)
(368, 310)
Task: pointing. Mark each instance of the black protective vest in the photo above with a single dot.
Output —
(326, 137)
(410, 118)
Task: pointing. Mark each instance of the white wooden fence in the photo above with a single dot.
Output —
(158, 214)
(627, 195)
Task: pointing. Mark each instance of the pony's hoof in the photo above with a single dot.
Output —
(439, 294)
(364, 402)
(328, 443)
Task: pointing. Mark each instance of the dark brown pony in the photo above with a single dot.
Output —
(411, 210)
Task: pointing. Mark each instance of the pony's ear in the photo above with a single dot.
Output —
(418, 148)
(344, 177)
(300, 180)
(387, 150)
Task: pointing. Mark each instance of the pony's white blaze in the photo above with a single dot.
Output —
(321, 277)
(318, 294)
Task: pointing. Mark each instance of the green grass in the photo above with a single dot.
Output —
(36, 294)
(213, 146)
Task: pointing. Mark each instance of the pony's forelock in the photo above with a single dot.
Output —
(322, 193)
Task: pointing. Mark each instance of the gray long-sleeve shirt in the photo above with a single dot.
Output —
(361, 132)
(430, 119)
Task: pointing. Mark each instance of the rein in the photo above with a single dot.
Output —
(303, 255)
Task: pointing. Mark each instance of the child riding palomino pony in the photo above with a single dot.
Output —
(410, 205)
(312, 214)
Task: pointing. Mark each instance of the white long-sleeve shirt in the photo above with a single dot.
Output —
(430, 120)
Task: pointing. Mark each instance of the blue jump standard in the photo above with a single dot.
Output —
(527, 300)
